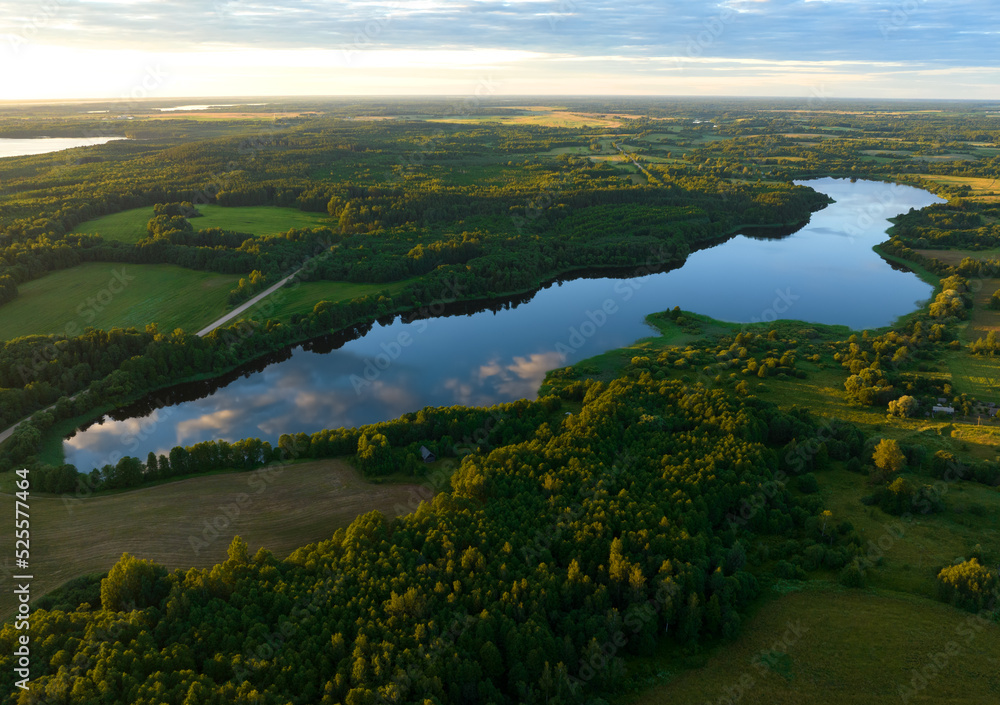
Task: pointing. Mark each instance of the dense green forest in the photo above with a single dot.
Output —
(648, 500)
(565, 544)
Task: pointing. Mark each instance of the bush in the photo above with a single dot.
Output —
(901, 496)
(813, 557)
(784, 569)
(942, 462)
(852, 575)
(807, 484)
(888, 456)
(969, 585)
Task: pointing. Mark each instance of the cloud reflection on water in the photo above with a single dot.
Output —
(498, 356)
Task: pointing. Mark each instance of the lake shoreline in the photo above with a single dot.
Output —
(500, 355)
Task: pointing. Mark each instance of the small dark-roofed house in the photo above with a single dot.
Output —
(426, 454)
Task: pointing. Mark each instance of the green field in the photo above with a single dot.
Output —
(824, 646)
(92, 295)
(954, 257)
(130, 225)
(303, 297)
(546, 117)
(278, 508)
(982, 189)
(977, 376)
(984, 318)
(917, 551)
(897, 612)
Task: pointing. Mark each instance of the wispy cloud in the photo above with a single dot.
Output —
(451, 36)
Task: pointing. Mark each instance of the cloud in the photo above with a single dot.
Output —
(763, 29)
(433, 45)
(521, 378)
(220, 422)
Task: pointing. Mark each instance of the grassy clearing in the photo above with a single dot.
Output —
(581, 151)
(855, 648)
(898, 615)
(976, 376)
(983, 189)
(303, 298)
(955, 157)
(471, 172)
(954, 257)
(984, 319)
(130, 225)
(913, 552)
(694, 326)
(548, 118)
(279, 509)
(72, 299)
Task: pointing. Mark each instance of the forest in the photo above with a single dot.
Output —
(646, 503)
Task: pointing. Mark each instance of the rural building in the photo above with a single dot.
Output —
(943, 410)
(426, 454)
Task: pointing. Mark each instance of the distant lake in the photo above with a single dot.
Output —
(44, 145)
(825, 272)
(186, 108)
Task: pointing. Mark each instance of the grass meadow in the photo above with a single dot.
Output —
(818, 645)
(130, 225)
(107, 295)
(279, 508)
(285, 302)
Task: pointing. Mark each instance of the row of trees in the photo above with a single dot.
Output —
(380, 449)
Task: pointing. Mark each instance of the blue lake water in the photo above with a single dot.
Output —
(11, 147)
(824, 273)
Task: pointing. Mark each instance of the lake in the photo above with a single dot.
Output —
(825, 272)
(185, 108)
(43, 145)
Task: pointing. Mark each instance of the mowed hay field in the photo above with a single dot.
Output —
(279, 508)
(111, 295)
(954, 257)
(130, 225)
(845, 647)
(978, 376)
(547, 118)
(982, 189)
(984, 319)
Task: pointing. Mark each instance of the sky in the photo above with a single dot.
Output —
(122, 49)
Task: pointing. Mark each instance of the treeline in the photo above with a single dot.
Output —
(629, 230)
(947, 227)
(400, 216)
(247, 287)
(381, 449)
(965, 224)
